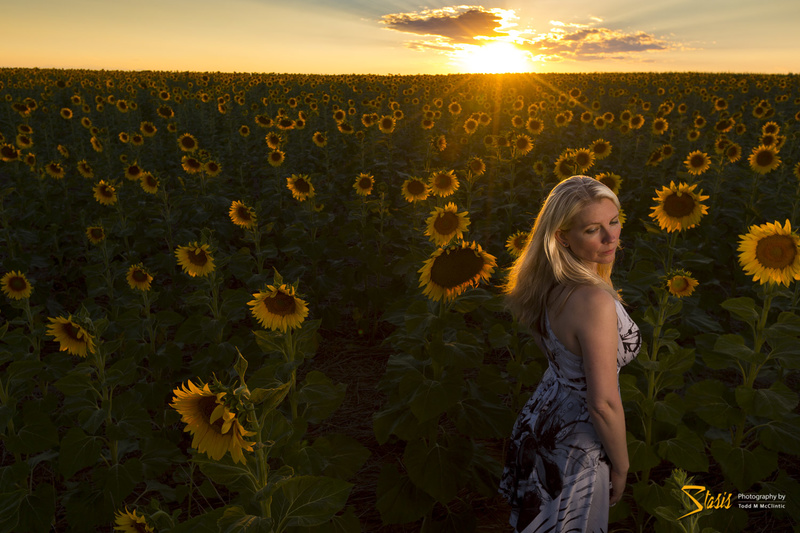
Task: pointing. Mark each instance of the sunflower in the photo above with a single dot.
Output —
(522, 144)
(610, 180)
(470, 125)
(733, 152)
(149, 183)
(15, 285)
(301, 186)
(363, 184)
(346, 128)
(476, 166)
(516, 243)
(453, 269)
(105, 193)
(446, 224)
(85, 169)
(66, 113)
(133, 172)
(130, 522)
(565, 165)
(764, 159)
(387, 123)
(195, 259)
(72, 337)
(9, 152)
(96, 234)
(454, 108)
(770, 128)
(242, 215)
(55, 170)
(214, 427)
(601, 149)
(244, 131)
(681, 283)
(24, 141)
(770, 253)
(278, 308)
(187, 143)
(584, 158)
(137, 139)
(636, 122)
(415, 190)
(443, 183)
(679, 207)
(212, 168)
(534, 125)
(276, 158)
(191, 165)
(274, 140)
(320, 139)
(439, 143)
(659, 126)
(147, 128)
(697, 162)
(138, 278)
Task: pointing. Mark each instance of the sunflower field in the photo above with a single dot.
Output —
(268, 303)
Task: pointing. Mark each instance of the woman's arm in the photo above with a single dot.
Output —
(596, 329)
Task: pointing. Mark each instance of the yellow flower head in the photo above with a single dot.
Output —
(697, 162)
(72, 337)
(15, 285)
(764, 159)
(443, 183)
(138, 278)
(195, 259)
(215, 429)
(363, 184)
(679, 207)
(131, 522)
(516, 243)
(105, 193)
(242, 215)
(415, 190)
(96, 234)
(446, 224)
(452, 270)
(278, 308)
(301, 187)
(681, 283)
(770, 253)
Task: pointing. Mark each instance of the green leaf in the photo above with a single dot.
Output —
(399, 500)
(305, 501)
(483, 416)
(773, 403)
(320, 395)
(235, 520)
(782, 435)
(37, 435)
(641, 456)
(743, 308)
(193, 330)
(709, 399)
(730, 344)
(677, 361)
(429, 398)
(670, 409)
(438, 469)
(344, 455)
(346, 522)
(37, 510)
(120, 480)
(396, 418)
(78, 451)
(687, 450)
(76, 383)
(225, 472)
(499, 337)
(742, 466)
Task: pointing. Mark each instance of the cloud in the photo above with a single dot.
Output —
(584, 43)
(458, 24)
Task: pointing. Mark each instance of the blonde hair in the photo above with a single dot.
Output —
(543, 263)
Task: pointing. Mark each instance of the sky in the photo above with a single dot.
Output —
(402, 36)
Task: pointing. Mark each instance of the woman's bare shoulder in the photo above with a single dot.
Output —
(590, 300)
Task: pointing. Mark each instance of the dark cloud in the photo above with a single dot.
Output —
(456, 24)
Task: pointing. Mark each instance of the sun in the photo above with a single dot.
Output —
(495, 57)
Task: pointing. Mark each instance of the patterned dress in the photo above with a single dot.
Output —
(557, 473)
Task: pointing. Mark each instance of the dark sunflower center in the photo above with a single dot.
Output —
(364, 184)
(608, 182)
(17, 284)
(243, 214)
(281, 304)
(443, 181)
(776, 251)
(71, 331)
(446, 223)
(302, 186)
(197, 257)
(519, 242)
(582, 158)
(134, 170)
(187, 142)
(679, 283)
(139, 276)
(206, 405)
(678, 205)
(764, 158)
(697, 161)
(97, 233)
(192, 163)
(106, 191)
(456, 268)
(416, 187)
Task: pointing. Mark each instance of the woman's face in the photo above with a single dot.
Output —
(594, 234)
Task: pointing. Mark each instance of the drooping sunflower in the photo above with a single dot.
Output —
(363, 184)
(215, 429)
(439, 143)
(451, 270)
(415, 190)
(770, 253)
(610, 180)
(147, 128)
(681, 283)
(320, 139)
(195, 259)
(242, 215)
(187, 143)
(149, 183)
(96, 234)
(131, 522)
(15, 285)
(697, 162)
(85, 169)
(72, 337)
(138, 277)
(516, 243)
(105, 193)
(191, 165)
(446, 224)
(278, 308)
(764, 159)
(9, 152)
(301, 187)
(679, 207)
(55, 170)
(443, 183)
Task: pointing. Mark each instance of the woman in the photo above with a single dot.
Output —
(568, 445)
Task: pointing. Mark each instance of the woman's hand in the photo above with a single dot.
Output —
(618, 480)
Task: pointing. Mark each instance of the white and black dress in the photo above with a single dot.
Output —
(557, 473)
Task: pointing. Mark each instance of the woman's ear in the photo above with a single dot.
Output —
(560, 239)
